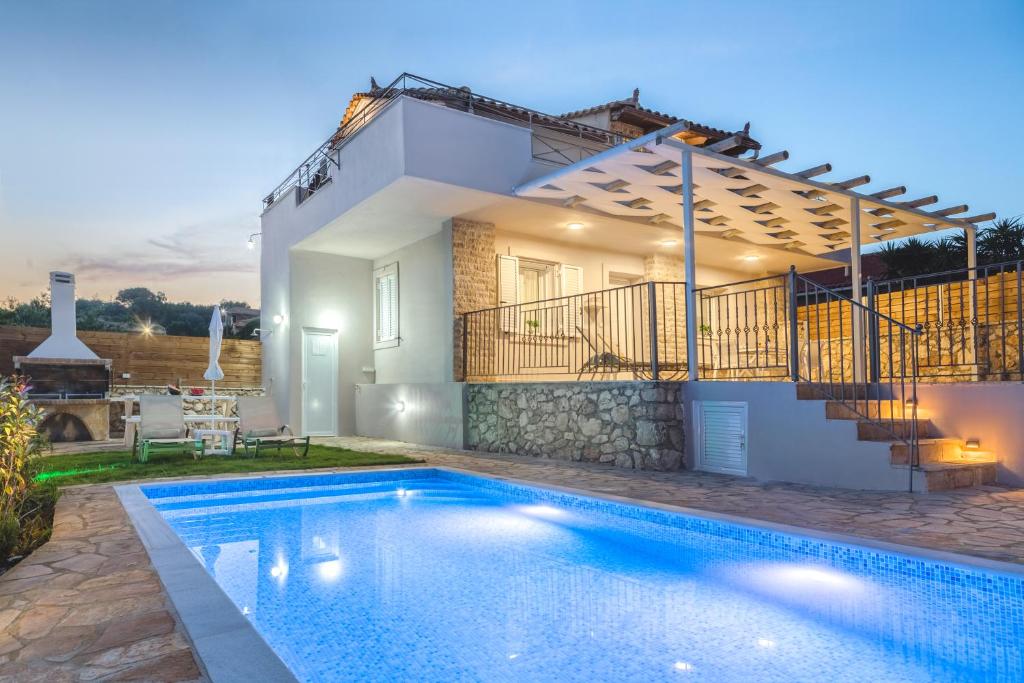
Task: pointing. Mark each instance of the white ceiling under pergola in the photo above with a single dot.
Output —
(745, 200)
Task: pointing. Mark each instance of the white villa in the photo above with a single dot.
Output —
(452, 269)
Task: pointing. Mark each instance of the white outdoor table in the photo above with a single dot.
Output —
(222, 441)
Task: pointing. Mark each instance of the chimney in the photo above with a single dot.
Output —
(63, 342)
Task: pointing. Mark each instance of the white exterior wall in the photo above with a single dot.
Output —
(431, 414)
(424, 352)
(790, 440)
(333, 293)
(988, 411)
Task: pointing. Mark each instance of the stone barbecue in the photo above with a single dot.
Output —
(65, 377)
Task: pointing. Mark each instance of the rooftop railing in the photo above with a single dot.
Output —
(556, 140)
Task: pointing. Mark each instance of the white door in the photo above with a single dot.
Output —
(721, 436)
(319, 382)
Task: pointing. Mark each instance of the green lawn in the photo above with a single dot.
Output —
(108, 466)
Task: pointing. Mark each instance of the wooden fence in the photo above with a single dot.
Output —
(148, 359)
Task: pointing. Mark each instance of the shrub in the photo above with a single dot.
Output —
(25, 509)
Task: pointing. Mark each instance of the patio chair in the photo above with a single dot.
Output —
(161, 427)
(260, 427)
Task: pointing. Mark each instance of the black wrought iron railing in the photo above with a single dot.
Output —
(862, 360)
(632, 332)
(970, 320)
(742, 329)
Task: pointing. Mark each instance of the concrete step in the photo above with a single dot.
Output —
(929, 450)
(807, 391)
(892, 430)
(858, 410)
(946, 476)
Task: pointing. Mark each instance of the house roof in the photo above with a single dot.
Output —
(627, 111)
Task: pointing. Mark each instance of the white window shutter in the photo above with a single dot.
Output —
(385, 306)
(508, 292)
(571, 286)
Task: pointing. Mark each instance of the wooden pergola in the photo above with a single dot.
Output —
(660, 178)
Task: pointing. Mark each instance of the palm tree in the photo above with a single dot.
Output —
(1002, 241)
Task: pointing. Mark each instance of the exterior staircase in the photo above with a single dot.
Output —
(943, 463)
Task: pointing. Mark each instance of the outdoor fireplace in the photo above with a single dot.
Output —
(66, 379)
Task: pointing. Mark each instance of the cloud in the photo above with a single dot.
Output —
(210, 248)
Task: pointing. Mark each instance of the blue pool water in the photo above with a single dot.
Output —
(433, 575)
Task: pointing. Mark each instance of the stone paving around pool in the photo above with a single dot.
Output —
(89, 606)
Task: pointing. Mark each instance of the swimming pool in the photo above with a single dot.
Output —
(435, 575)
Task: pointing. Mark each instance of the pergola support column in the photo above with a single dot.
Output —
(690, 264)
(856, 282)
(971, 235)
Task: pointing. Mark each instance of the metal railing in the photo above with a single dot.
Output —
(555, 139)
(970, 319)
(632, 332)
(742, 329)
(871, 376)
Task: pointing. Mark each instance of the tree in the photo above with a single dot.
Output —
(1002, 241)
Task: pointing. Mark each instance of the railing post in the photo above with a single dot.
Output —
(874, 340)
(652, 321)
(1019, 332)
(465, 347)
(794, 342)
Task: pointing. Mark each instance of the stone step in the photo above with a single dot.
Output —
(807, 391)
(945, 476)
(892, 430)
(858, 410)
(929, 450)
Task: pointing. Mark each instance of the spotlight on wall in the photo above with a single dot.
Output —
(668, 243)
(251, 244)
(278, 318)
(400, 406)
(752, 257)
(575, 226)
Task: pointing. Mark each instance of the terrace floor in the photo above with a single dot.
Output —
(89, 606)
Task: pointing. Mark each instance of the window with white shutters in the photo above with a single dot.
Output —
(385, 306)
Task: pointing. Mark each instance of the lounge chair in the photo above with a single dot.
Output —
(161, 427)
(259, 426)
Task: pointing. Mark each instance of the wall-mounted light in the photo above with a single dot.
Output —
(251, 244)
(751, 257)
(668, 243)
(575, 226)
(278, 318)
(400, 406)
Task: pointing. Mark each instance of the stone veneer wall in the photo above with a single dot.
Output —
(191, 405)
(671, 311)
(636, 425)
(475, 279)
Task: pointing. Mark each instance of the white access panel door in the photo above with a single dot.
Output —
(721, 436)
(319, 382)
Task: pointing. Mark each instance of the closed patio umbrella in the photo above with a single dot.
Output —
(213, 372)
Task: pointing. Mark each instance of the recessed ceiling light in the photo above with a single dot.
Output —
(575, 226)
(752, 257)
(669, 243)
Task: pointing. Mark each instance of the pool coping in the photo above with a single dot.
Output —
(229, 646)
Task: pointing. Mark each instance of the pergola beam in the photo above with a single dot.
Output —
(853, 182)
(821, 169)
(772, 158)
(923, 201)
(891, 192)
